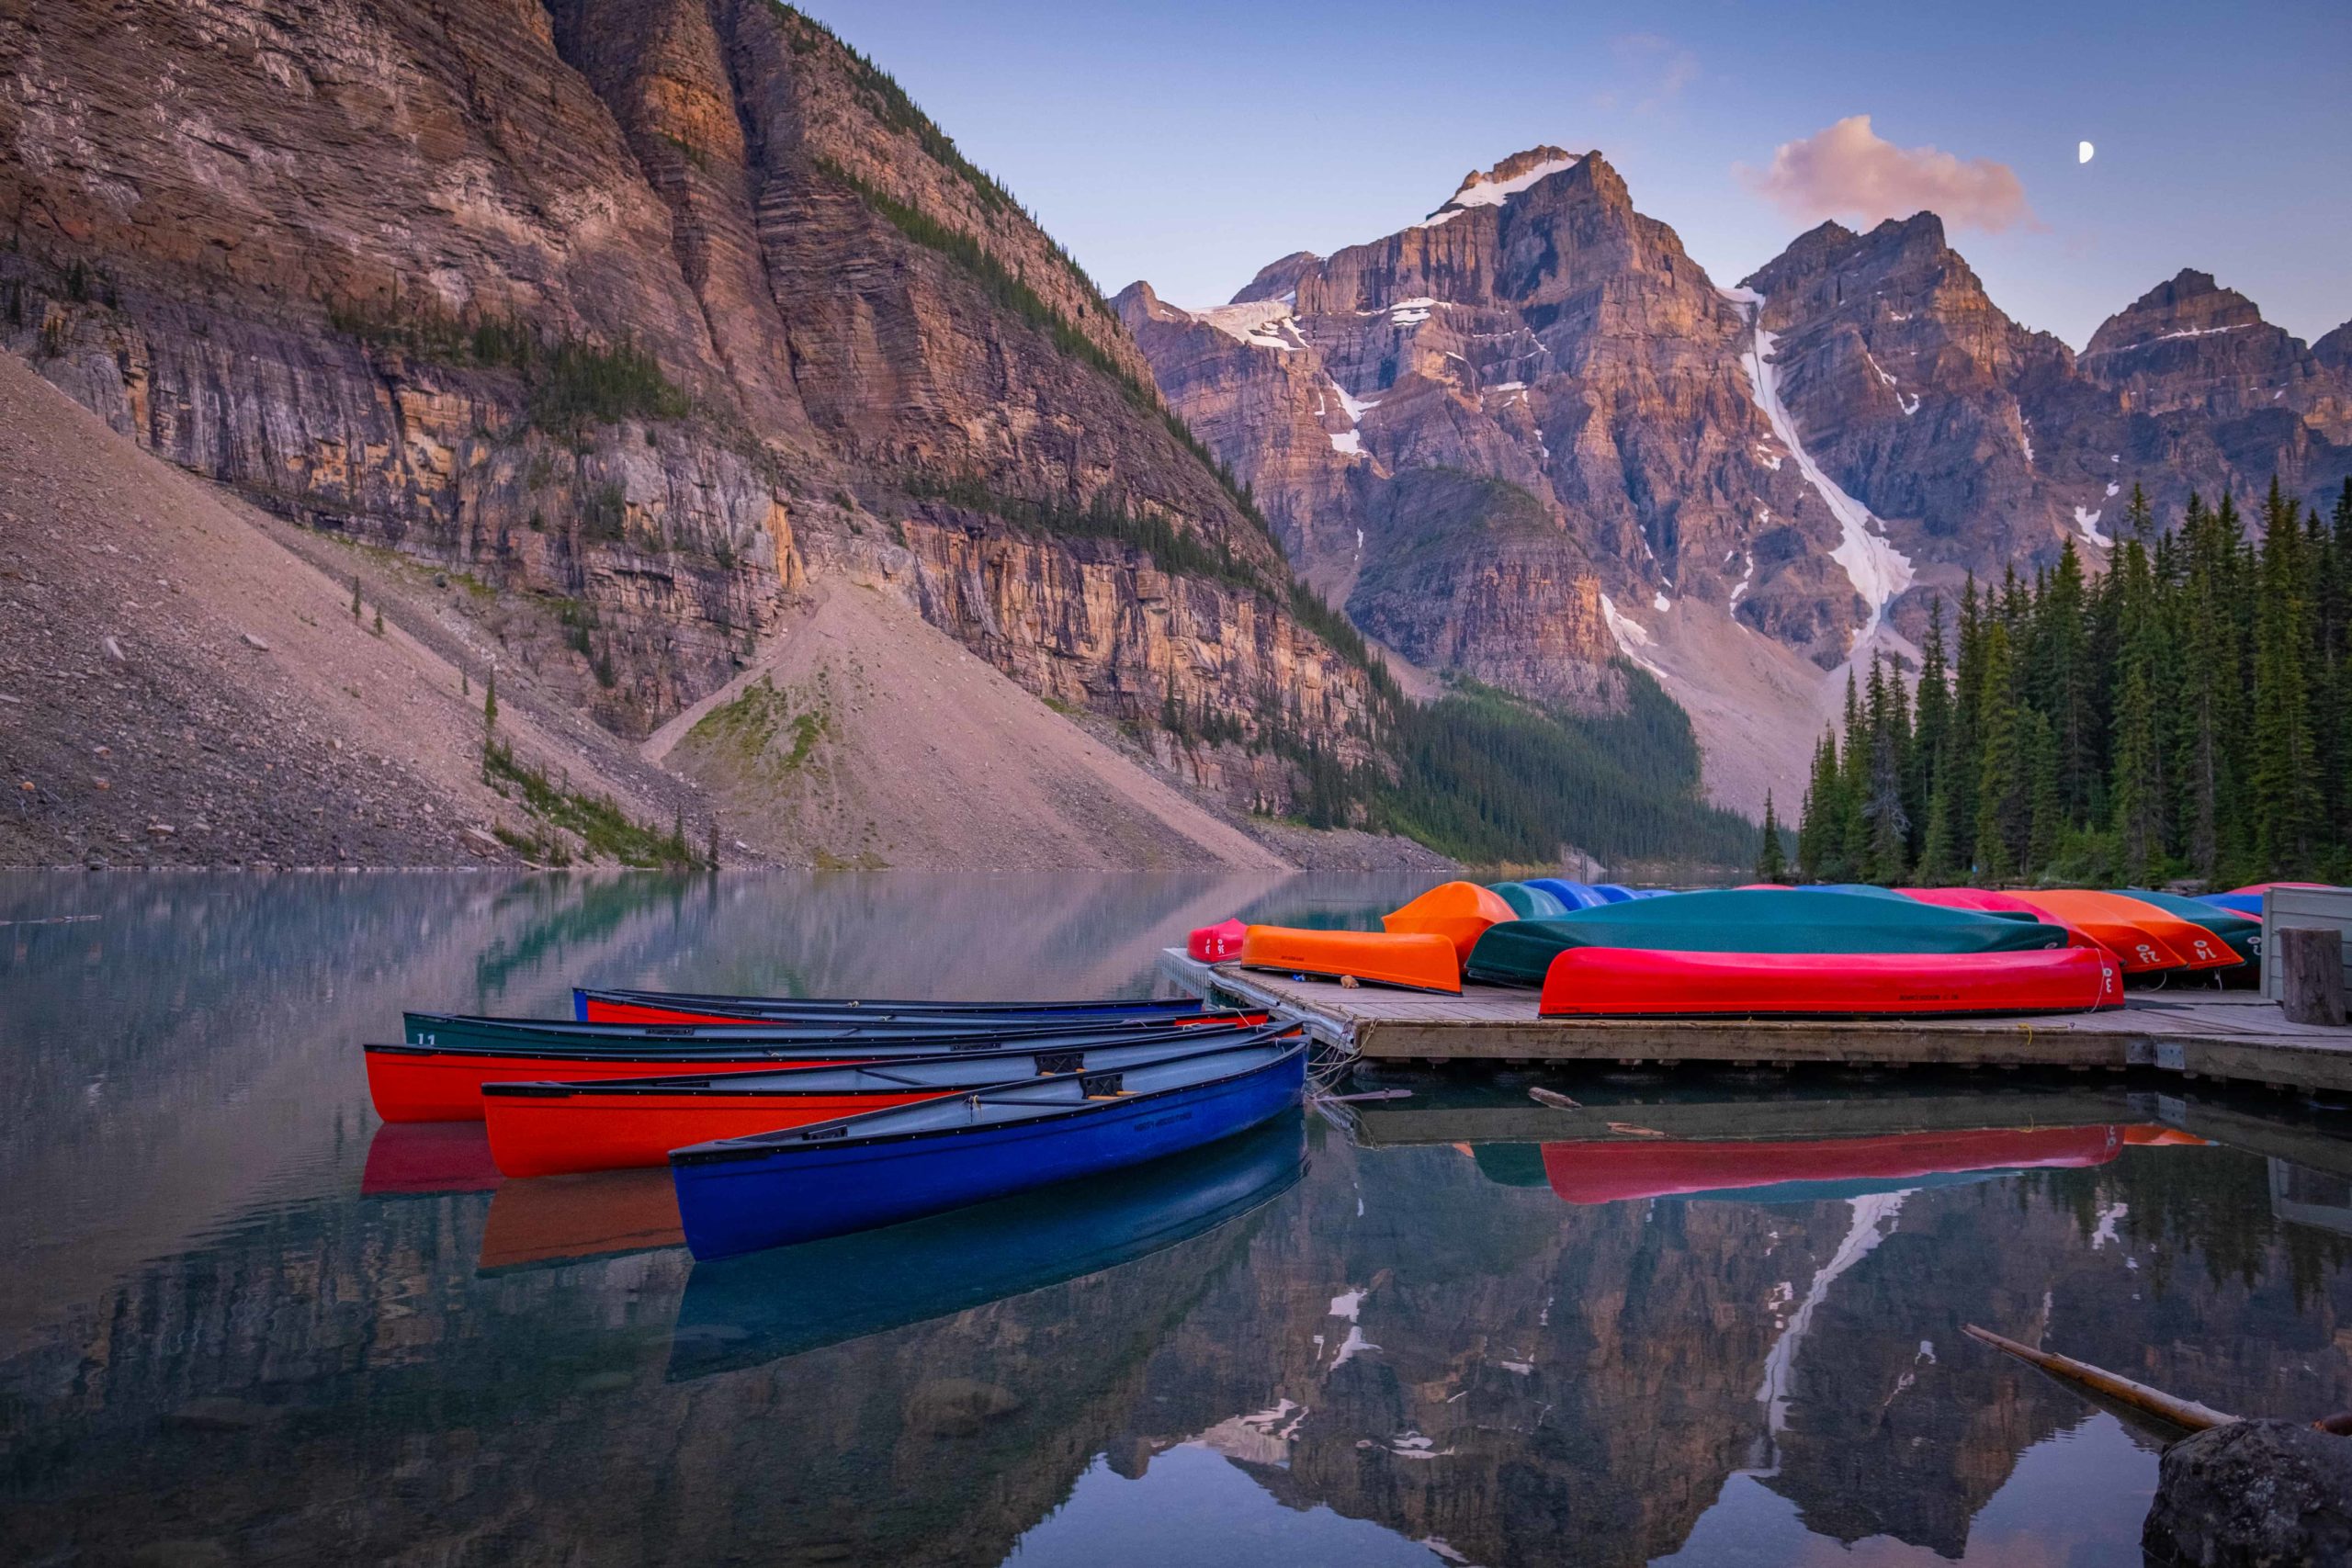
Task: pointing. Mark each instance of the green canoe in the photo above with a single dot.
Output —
(2238, 934)
(1517, 953)
(1527, 903)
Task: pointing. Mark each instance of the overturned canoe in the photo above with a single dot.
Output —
(2137, 931)
(693, 1007)
(470, 1032)
(1571, 895)
(1215, 944)
(555, 1129)
(443, 1083)
(1458, 912)
(1989, 902)
(2240, 934)
(1527, 901)
(1615, 982)
(1417, 961)
(1750, 921)
(746, 1194)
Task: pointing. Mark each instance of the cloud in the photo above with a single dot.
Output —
(1849, 171)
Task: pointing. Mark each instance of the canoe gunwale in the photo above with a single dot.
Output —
(732, 1151)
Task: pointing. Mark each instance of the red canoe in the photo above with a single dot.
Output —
(1628, 982)
(1215, 944)
(1612, 1171)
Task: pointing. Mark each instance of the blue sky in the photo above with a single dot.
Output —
(1191, 144)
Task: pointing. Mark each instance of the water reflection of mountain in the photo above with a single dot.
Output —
(1400, 1338)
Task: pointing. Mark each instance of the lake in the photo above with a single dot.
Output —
(244, 1322)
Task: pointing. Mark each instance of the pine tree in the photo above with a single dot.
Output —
(2046, 804)
(2001, 767)
(1966, 744)
(1931, 732)
(2284, 795)
(354, 595)
(490, 701)
(1821, 825)
(1939, 867)
(2140, 790)
(1771, 860)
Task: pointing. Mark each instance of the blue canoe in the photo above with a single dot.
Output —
(639, 1007)
(752, 1310)
(739, 1195)
(2235, 903)
(1571, 895)
(1609, 893)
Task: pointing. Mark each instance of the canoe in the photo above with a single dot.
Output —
(746, 1194)
(1609, 893)
(749, 1311)
(2159, 931)
(1750, 921)
(1989, 902)
(1615, 982)
(468, 1032)
(2240, 934)
(1415, 961)
(2247, 904)
(1813, 1169)
(443, 1083)
(1571, 895)
(556, 1129)
(591, 1006)
(1527, 901)
(1215, 944)
(1458, 912)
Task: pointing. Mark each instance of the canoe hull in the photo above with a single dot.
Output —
(1459, 911)
(1603, 982)
(1414, 960)
(602, 1006)
(805, 1193)
(613, 1131)
(426, 1085)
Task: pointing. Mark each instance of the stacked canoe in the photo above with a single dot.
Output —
(785, 1119)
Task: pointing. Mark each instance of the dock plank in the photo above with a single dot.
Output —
(2224, 1035)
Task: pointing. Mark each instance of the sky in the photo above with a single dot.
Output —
(1191, 144)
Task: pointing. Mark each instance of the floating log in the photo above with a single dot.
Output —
(2140, 1396)
(1553, 1098)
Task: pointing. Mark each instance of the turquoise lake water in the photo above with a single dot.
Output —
(244, 1322)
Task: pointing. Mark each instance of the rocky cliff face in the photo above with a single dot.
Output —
(1534, 401)
(634, 309)
(1531, 400)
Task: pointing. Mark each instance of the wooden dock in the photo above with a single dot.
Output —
(2232, 1035)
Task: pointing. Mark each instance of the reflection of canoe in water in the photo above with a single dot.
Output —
(1615, 982)
(751, 1310)
(689, 1006)
(1819, 1169)
(410, 1160)
(564, 1219)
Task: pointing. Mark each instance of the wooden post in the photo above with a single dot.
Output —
(2311, 974)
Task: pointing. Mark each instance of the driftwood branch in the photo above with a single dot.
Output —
(2140, 1396)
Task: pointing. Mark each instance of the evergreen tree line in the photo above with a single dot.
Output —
(2187, 715)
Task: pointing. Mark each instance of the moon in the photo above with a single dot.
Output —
(2083, 150)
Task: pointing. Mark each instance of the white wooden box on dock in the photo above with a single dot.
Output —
(2328, 907)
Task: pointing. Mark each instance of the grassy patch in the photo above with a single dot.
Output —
(751, 727)
(602, 827)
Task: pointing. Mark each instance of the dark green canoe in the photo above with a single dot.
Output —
(1527, 903)
(2239, 934)
(1517, 953)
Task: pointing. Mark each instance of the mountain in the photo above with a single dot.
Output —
(660, 320)
(1533, 405)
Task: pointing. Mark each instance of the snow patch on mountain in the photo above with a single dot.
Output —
(1262, 323)
(2087, 521)
(1880, 572)
(1483, 191)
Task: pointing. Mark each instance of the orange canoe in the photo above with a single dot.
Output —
(1416, 961)
(1458, 912)
(1990, 902)
(2192, 945)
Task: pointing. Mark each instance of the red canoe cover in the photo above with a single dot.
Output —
(1608, 982)
(1610, 1171)
(1215, 944)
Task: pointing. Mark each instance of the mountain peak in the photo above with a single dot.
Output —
(1492, 187)
(2190, 304)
